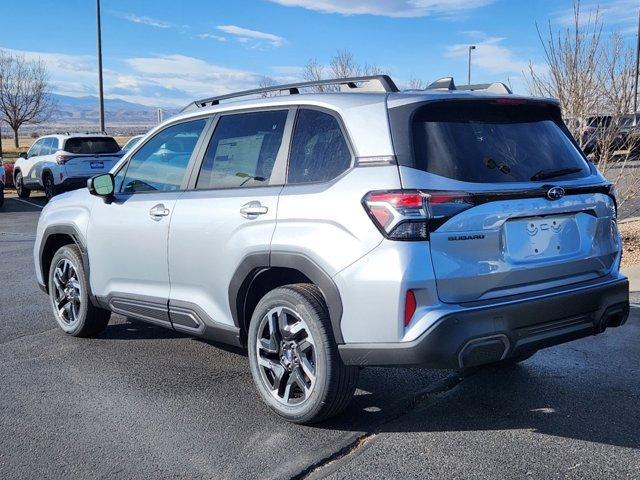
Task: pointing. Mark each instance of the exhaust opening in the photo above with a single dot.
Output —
(483, 350)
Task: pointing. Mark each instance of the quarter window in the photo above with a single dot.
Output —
(242, 150)
(161, 163)
(319, 151)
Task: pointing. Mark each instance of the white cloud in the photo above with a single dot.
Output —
(387, 8)
(490, 55)
(183, 79)
(621, 14)
(213, 36)
(152, 22)
(165, 80)
(245, 35)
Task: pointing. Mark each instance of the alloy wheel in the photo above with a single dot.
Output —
(67, 292)
(286, 355)
(48, 187)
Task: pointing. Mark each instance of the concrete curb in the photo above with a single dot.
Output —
(632, 272)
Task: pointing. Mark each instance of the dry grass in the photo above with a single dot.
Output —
(631, 242)
(10, 149)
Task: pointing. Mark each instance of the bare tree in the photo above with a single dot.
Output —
(416, 84)
(24, 94)
(342, 65)
(267, 82)
(313, 72)
(592, 76)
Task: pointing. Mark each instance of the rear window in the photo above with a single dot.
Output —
(91, 145)
(486, 142)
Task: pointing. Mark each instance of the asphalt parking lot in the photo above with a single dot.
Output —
(144, 402)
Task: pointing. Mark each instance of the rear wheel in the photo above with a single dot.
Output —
(69, 295)
(23, 192)
(294, 358)
(1, 197)
(49, 185)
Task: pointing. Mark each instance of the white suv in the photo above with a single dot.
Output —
(56, 163)
(329, 231)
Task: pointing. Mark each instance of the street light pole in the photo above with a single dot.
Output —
(471, 47)
(635, 85)
(100, 89)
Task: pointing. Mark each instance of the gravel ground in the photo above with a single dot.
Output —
(631, 241)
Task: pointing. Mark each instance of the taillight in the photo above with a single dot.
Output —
(62, 159)
(409, 307)
(412, 214)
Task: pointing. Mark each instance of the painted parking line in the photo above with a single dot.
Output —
(26, 201)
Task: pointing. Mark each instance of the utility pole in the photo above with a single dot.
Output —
(100, 89)
(635, 85)
(471, 47)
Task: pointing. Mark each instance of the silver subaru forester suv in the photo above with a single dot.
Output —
(355, 226)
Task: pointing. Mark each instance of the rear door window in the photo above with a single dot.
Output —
(35, 149)
(243, 150)
(493, 142)
(319, 151)
(52, 145)
(91, 145)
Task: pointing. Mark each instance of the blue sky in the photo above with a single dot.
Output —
(166, 52)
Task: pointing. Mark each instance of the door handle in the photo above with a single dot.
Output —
(253, 209)
(158, 211)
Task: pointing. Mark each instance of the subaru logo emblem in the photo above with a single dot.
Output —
(555, 193)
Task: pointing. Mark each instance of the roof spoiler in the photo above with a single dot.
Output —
(447, 83)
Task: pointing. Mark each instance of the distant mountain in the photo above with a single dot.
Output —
(80, 111)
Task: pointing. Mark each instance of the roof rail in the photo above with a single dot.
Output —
(447, 83)
(373, 83)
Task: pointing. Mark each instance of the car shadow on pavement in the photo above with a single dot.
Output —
(524, 397)
(137, 330)
(13, 204)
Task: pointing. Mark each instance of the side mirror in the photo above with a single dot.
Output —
(101, 185)
(23, 155)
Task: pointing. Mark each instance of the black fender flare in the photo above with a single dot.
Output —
(254, 263)
(73, 232)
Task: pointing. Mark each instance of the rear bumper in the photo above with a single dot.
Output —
(480, 333)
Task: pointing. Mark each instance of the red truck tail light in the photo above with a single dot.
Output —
(412, 214)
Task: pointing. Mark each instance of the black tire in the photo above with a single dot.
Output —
(88, 320)
(49, 186)
(1, 197)
(23, 192)
(334, 383)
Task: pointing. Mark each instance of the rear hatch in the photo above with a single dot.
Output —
(514, 206)
(88, 156)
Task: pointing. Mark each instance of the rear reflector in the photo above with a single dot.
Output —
(409, 307)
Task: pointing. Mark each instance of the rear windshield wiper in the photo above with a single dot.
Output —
(560, 172)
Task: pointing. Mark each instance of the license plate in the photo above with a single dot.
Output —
(97, 164)
(543, 237)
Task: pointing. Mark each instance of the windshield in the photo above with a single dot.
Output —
(91, 145)
(487, 142)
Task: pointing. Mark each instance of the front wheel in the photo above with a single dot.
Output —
(294, 357)
(69, 295)
(23, 192)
